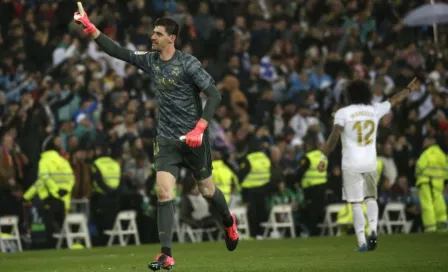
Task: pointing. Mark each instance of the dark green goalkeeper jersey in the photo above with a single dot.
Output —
(177, 84)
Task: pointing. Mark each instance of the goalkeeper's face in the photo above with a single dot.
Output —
(160, 39)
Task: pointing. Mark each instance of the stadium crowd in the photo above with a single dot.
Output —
(281, 67)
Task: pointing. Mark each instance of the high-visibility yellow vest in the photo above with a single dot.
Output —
(260, 170)
(379, 169)
(312, 176)
(223, 177)
(431, 166)
(55, 173)
(110, 171)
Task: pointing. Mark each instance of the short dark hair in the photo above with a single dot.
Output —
(171, 27)
(358, 92)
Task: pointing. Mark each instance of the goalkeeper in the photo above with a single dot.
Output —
(181, 137)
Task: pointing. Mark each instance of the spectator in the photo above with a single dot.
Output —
(281, 67)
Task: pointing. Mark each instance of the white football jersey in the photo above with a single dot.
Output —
(358, 138)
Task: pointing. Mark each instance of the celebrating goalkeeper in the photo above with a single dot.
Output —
(181, 127)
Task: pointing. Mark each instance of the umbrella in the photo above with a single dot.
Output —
(428, 14)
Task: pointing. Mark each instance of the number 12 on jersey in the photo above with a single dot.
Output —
(364, 130)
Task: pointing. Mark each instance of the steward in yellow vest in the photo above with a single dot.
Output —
(224, 177)
(53, 186)
(254, 175)
(314, 184)
(106, 175)
(430, 172)
(312, 177)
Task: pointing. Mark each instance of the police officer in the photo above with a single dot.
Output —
(106, 174)
(53, 186)
(313, 184)
(430, 173)
(254, 174)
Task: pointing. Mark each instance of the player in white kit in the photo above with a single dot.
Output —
(357, 124)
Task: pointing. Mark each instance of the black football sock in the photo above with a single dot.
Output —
(218, 201)
(165, 221)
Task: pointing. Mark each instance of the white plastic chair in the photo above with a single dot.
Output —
(14, 236)
(197, 235)
(124, 234)
(80, 206)
(242, 221)
(78, 220)
(386, 223)
(284, 211)
(329, 224)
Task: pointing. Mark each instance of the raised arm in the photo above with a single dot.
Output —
(137, 58)
(399, 97)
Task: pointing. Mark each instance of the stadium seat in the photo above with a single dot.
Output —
(196, 235)
(124, 234)
(386, 223)
(79, 221)
(80, 206)
(7, 240)
(274, 223)
(242, 222)
(329, 224)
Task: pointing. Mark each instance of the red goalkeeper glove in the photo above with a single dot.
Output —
(194, 137)
(89, 28)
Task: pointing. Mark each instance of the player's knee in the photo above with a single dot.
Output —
(164, 193)
(165, 186)
(207, 188)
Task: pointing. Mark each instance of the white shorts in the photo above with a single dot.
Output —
(358, 186)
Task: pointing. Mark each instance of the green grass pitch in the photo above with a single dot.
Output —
(414, 252)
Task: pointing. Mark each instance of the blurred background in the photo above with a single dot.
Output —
(281, 67)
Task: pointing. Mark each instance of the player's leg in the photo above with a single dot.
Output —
(216, 198)
(371, 194)
(427, 206)
(440, 206)
(199, 160)
(167, 157)
(353, 194)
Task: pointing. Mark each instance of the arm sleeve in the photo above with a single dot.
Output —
(98, 178)
(56, 105)
(137, 58)
(422, 162)
(45, 177)
(213, 100)
(244, 169)
(304, 164)
(205, 83)
(339, 118)
(382, 109)
(29, 194)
